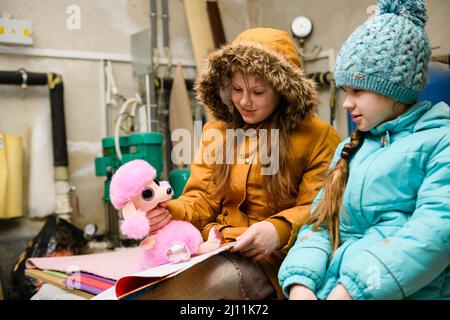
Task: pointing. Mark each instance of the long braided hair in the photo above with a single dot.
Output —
(327, 211)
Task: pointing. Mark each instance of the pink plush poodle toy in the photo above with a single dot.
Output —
(135, 190)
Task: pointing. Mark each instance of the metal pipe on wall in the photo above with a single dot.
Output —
(59, 139)
(87, 55)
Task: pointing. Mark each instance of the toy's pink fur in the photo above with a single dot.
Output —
(129, 180)
(127, 184)
(174, 231)
(136, 227)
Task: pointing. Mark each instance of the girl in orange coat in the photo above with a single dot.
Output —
(255, 84)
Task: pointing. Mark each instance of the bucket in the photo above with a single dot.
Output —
(178, 179)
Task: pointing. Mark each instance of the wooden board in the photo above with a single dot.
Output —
(199, 30)
(180, 111)
(55, 281)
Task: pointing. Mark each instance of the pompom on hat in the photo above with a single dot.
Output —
(389, 53)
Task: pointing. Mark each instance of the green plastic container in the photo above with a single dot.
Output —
(109, 159)
(178, 179)
(146, 146)
(109, 148)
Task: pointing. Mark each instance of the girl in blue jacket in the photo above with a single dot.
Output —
(380, 227)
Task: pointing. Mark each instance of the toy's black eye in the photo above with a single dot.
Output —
(147, 194)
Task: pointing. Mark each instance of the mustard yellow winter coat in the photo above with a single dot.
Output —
(271, 54)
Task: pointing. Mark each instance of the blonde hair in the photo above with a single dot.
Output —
(327, 211)
(278, 188)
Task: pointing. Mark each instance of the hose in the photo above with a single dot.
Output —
(134, 102)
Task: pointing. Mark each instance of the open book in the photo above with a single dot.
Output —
(107, 276)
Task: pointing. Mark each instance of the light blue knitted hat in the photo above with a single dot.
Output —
(389, 53)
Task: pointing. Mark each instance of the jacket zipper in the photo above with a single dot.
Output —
(385, 141)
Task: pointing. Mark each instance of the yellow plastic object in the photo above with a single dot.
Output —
(11, 177)
(3, 176)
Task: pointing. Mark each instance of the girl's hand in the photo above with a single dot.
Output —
(158, 217)
(339, 293)
(258, 241)
(299, 292)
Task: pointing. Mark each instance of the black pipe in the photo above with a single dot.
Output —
(60, 156)
(16, 77)
(168, 82)
(321, 78)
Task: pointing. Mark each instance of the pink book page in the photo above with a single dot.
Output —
(111, 265)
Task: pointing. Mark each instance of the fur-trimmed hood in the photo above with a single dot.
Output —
(269, 53)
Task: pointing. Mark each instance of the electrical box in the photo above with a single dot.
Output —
(13, 31)
(141, 52)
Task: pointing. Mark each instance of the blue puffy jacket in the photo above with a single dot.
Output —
(395, 218)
